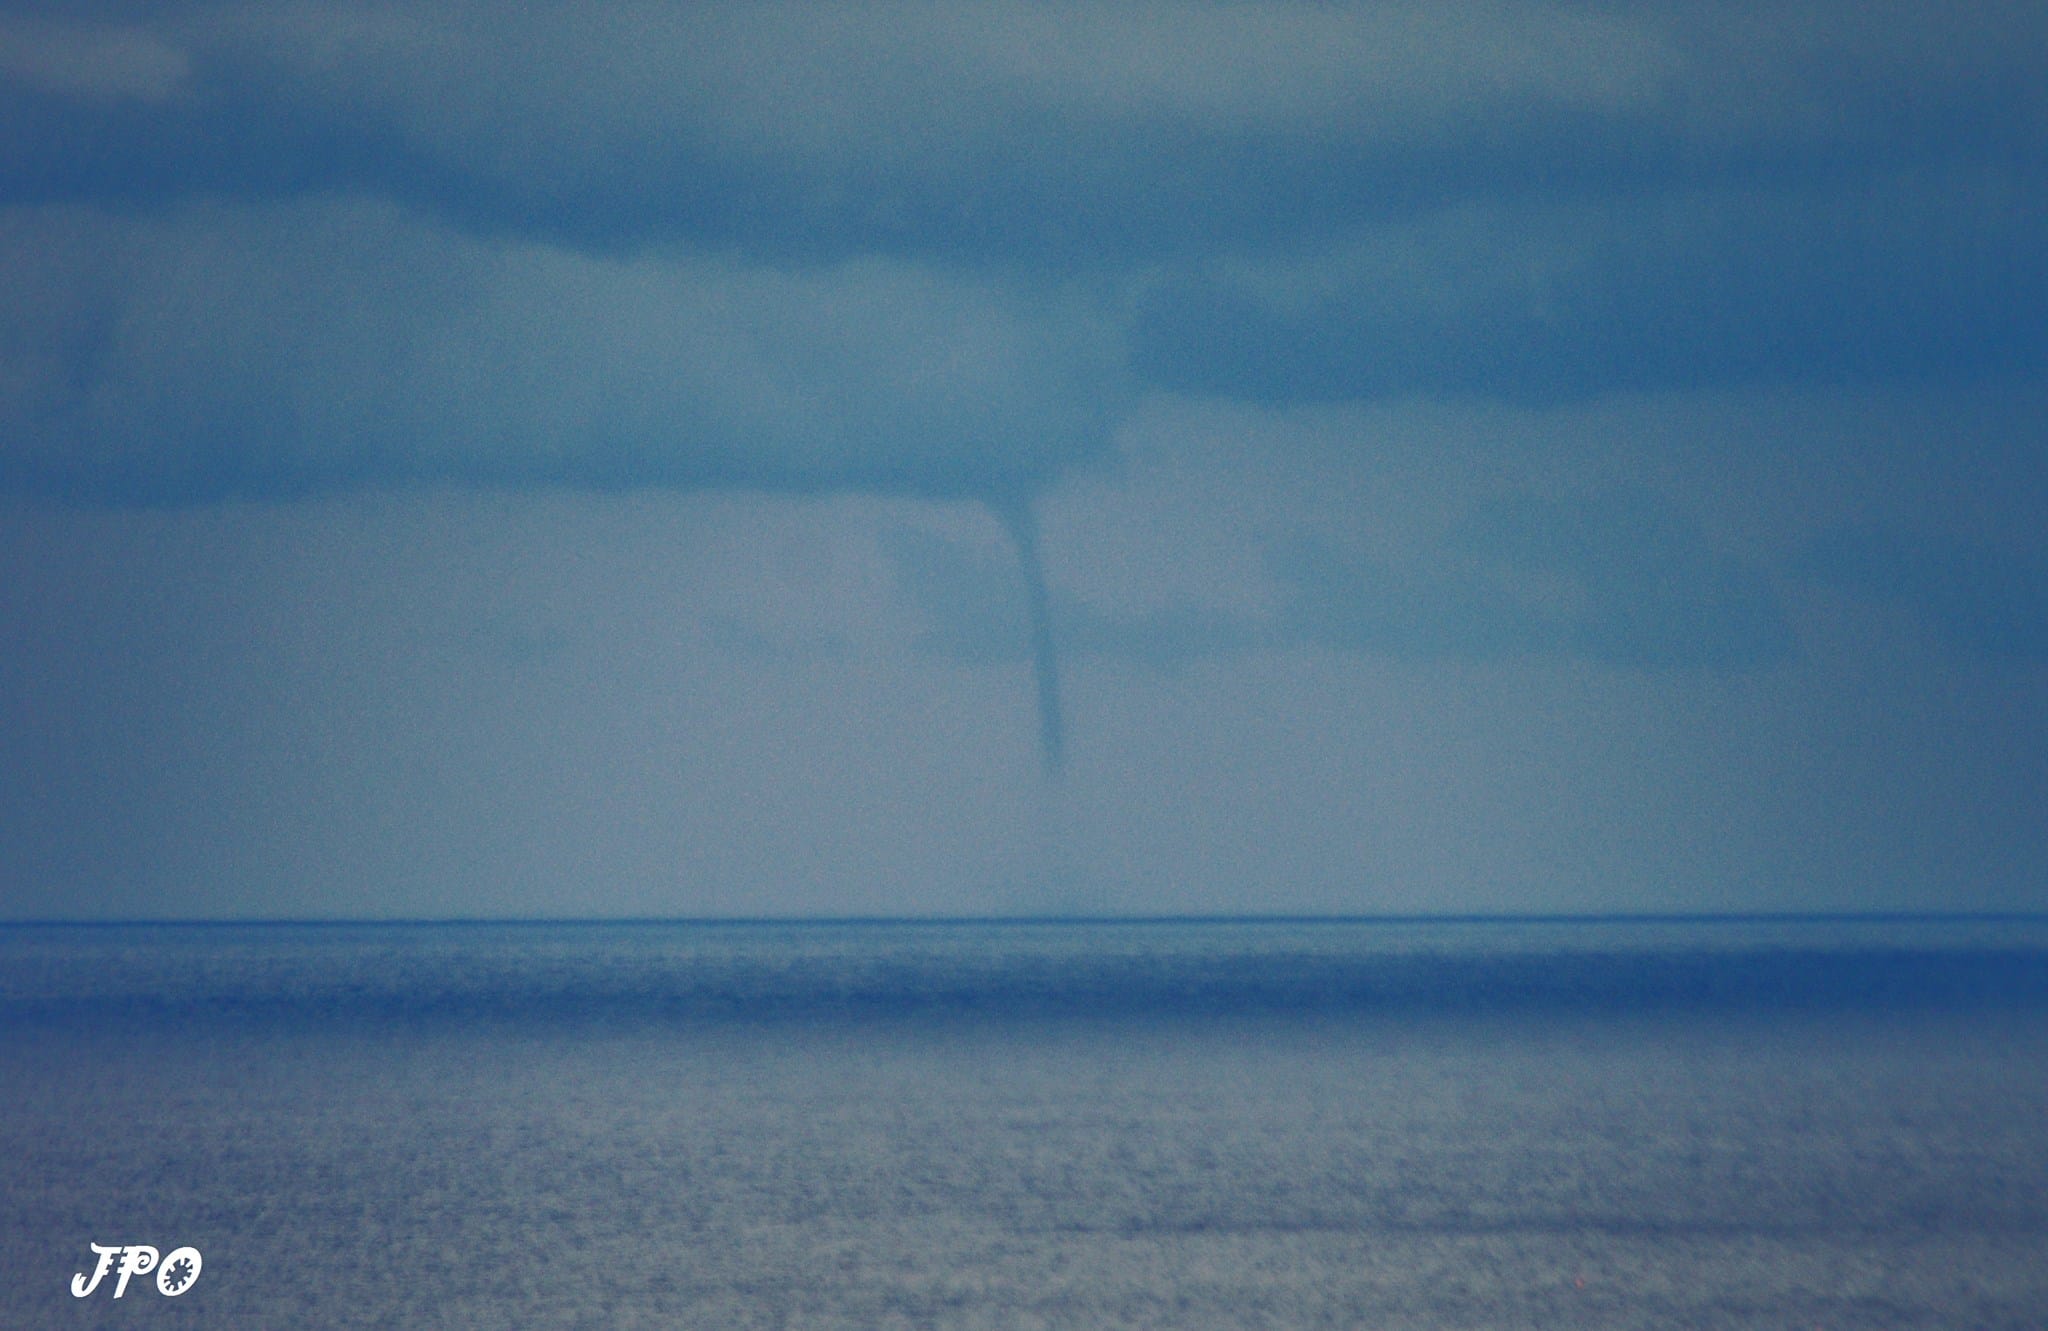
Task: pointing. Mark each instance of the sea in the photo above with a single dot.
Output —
(1752, 1123)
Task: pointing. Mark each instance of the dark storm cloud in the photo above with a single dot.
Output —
(1001, 131)
(1004, 132)
(275, 249)
(1623, 579)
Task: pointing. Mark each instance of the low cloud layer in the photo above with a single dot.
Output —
(1905, 278)
(996, 129)
(239, 352)
(265, 250)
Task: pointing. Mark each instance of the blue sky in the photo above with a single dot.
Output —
(1479, 458)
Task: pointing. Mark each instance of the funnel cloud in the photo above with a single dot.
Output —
(1022, 525)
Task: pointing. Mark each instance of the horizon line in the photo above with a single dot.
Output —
(1240, 918)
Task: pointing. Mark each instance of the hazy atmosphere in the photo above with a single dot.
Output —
(460, 460)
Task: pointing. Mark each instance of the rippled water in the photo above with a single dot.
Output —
(1185, 1125)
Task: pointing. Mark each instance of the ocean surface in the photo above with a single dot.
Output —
(1657, 1124)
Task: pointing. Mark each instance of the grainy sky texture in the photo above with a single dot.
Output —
(466, 459)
